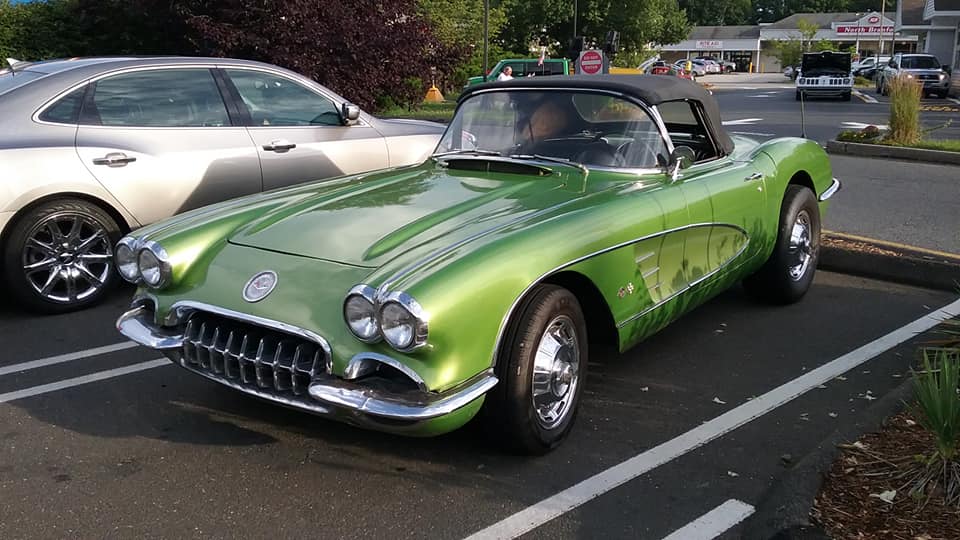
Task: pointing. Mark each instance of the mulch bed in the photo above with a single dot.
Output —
(848, 506)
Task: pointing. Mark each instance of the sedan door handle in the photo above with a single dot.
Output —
(279, 146)
(114, 159)
(754, 176)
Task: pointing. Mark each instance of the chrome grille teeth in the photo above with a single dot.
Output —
(268, 360)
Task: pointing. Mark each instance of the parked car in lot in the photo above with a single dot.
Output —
(697, 67)
(726, 66)
(924, 68)
(554, 216)
(825, 73)
(867, 67)
(92, 148)
(524, 67)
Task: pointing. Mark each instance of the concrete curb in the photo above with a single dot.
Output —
(889, 261)
(784, 513)
(892, 152)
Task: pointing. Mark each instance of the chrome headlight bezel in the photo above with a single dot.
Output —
(127, 253)
(163, 272)
(363, 293)
(418, 321)
(411, 310)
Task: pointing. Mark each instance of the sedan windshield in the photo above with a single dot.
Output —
(919, 62)
(581, 127)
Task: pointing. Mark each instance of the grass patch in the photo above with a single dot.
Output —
(439, 112)
(951, 145)
(862, 82)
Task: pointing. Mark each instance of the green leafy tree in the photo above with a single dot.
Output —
(550, 22)
(713, 12)
(39, 30)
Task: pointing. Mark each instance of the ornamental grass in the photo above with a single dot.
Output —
(905, 95)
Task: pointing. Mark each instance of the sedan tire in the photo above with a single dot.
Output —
(542, 367)
(788, 273)
(58, 256)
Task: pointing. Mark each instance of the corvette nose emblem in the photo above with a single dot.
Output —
(259, 286)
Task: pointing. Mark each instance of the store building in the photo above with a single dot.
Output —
(936, 23)
(751, 47)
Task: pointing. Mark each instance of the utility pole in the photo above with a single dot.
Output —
(883, 7)
(574, 19)
(486, 37)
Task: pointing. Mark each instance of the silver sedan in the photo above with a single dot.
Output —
(91, 148)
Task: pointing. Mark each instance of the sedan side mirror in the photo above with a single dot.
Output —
(350, 113)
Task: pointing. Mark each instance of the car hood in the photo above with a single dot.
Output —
(825, 63)
(369, 221)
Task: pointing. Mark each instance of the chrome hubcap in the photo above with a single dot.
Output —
(67, 258)
(556, 369)
(801, 246)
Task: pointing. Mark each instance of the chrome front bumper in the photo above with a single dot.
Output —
(331, 394)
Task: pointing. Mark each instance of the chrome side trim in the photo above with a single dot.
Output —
(137, 325)
(365, 363)
(181, 309)
(689, 286)
(516, 302)
(349, 396)
(827, 193)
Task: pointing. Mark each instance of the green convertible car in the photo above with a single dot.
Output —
(555, 214)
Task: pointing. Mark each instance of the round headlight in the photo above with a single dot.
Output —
(361, 317)
(126, 258)
(398, 325)
(150, 268)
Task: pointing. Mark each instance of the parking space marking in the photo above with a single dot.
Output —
(556, 505)
(77, 381)
(69, 357)
(742, 122)
(715, 522)
(955, 100)
(864, 97)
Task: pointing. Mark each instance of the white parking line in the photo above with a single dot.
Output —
(715, 522)
(556, 505)
(865, 97)
(955, 100)
(741, 122)
(77, 381)
(69, 357)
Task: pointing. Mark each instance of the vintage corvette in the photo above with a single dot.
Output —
(556, 213)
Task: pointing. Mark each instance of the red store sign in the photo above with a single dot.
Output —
(853, 29)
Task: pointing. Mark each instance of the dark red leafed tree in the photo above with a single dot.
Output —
(365, 50)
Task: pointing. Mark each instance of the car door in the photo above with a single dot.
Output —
(726, 197)
(299, 132)
(162, 142)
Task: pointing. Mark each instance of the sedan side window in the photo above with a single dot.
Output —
(278, 101)
(157, 98)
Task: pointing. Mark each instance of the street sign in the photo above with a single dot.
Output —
(590, 62)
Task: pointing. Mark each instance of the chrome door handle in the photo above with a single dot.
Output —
(754, 176)
(114, 159)
(279, 145)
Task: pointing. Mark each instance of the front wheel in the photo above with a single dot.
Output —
(59, 256)
(542, 367)
(788, 273)
(846, 96)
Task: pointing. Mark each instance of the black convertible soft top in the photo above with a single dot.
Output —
(651, 89)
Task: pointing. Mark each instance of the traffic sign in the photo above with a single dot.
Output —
(590, 62)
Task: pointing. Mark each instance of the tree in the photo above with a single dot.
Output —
(364, 49)
(713, 12)
(550, 22)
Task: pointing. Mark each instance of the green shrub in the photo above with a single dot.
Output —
(938, 401)
(868, 134)
(905, 96)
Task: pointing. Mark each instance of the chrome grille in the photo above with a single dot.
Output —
(263, 360)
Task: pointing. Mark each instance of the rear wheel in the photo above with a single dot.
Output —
(59, 256)
(542, 368)
(846, 96)
(788, 273)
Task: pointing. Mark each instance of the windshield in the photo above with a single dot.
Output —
(919, 62)
(10, 80)
(582, 127)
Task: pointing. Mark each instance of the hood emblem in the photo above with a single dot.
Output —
(259, 286)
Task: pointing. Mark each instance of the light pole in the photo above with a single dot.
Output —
(857, 46)
(486, 37)
(883, 7)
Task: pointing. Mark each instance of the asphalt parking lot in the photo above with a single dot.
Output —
(770, 109)
(160, 452)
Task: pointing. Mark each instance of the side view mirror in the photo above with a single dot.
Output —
(350, 113)
(947, 69)
(681, 158)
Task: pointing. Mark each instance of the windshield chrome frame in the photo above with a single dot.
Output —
(651, 111)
